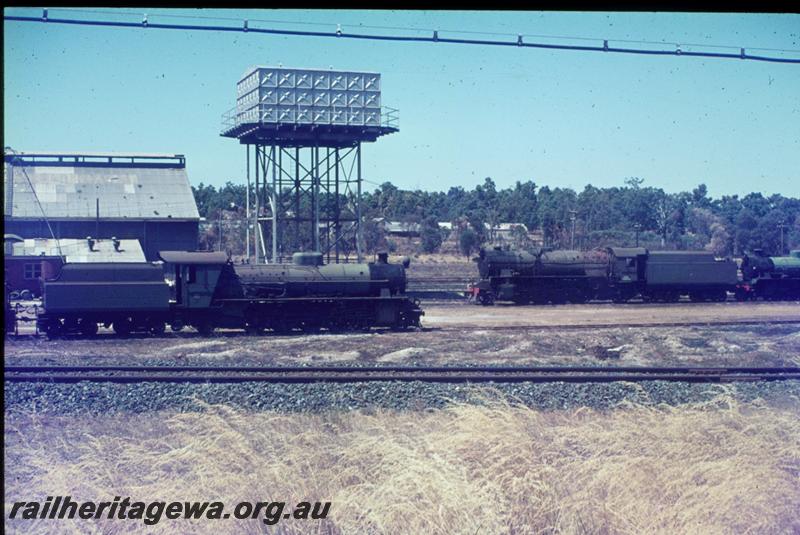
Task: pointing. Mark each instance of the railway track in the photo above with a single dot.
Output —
(459, 327)
(350, 374)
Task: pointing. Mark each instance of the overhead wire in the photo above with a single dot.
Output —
(429, 30)
(436, 37)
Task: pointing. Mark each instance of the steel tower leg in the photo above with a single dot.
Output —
(274, 204)
(358, 206)
(315, 195)
(247, 209)
(337, 208)
(257, 205)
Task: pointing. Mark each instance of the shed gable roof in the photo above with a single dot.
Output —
(72, 191)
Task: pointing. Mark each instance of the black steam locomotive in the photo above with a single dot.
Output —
(620, 274)
(207, 291)
(770, 277)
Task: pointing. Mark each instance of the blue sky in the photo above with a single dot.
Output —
(559, 118)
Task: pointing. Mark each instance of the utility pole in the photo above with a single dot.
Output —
(97, 212)
(572, 217)
(637, 227)
(781, 226)
(219, 246)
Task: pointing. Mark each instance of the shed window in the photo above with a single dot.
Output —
(192, 274)
(33, 270)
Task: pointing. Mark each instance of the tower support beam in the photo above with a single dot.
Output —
(308, 199)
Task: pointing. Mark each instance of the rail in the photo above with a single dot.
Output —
(351, 374)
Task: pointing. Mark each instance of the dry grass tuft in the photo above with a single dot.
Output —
(717, 467)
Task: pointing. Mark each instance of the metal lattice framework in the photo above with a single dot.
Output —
(306, 128)
(313, 195)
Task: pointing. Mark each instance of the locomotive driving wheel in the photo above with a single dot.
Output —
(123, 327)
(252, 329)
(742, 294)
(156, 327)
(578, 296)
(281, 326)
(53, 328)
(87, 327)
(338, 325)
(625, 295)
(486, 299)
(204, 327)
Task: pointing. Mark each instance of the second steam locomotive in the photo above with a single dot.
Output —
(620, 274)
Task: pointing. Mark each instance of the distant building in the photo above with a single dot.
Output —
(536, 237)
(145, 197)
(401, 229)
(504, 231)
(28, 262)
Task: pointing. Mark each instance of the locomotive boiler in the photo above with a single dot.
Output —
(307, 275)
(541, 276)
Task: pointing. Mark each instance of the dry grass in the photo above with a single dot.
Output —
(719, 467)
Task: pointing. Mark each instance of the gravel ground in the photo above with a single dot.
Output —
(729, 345)
(94, 398)
(465, 335)
(457, 314)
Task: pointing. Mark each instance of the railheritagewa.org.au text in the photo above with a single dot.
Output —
(153, 512)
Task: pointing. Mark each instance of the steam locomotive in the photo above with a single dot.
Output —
(207, 291)
(620, 274)
(770, 277)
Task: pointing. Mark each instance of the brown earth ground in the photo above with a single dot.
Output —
(461, 334)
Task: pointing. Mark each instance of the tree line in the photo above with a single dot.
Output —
(620, 216)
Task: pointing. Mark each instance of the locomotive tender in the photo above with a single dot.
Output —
(615, 273)
(207, 291)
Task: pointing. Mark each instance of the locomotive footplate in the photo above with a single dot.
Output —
(313, 313)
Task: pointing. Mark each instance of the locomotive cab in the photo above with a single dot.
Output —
(627, 271)
(628, 264)
(195, 276)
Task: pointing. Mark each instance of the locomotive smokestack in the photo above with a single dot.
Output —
(383, 258)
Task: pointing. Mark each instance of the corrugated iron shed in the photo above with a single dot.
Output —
(132, 187)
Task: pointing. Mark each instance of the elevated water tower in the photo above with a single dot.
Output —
(306, 128)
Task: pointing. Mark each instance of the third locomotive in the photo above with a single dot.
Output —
(620, 274)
